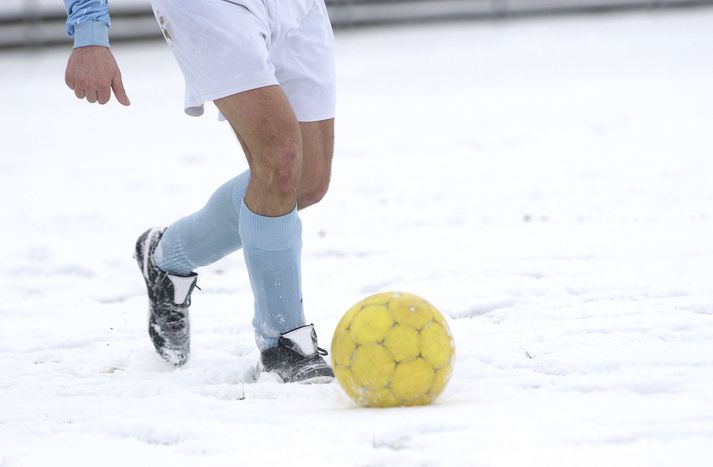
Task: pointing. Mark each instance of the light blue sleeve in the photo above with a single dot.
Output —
(88, 22)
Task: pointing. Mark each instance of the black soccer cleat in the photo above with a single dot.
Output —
(297, 359)
(169, 300)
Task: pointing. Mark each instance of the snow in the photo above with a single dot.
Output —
(545, 183)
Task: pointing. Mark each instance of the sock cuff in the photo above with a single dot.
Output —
(269, 233)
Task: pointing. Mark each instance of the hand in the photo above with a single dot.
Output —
(92, 73)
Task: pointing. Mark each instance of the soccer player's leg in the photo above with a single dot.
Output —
(317, 152)
(221, 48)
(268, 129)
(271, 232)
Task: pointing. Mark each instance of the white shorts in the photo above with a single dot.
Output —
(229, 46)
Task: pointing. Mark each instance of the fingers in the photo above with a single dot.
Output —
(94, 94)
(118, 86)
(103, 95)
(91, 96)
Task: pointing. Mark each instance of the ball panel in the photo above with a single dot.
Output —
(412, 379)
(381, 397)
(436, 345)
(440, 380)
(371, 323)
(423, 400)
(403, 342)
(372, 366)
(343, 347)
(412, 311)
(376, 299)
(438, 317)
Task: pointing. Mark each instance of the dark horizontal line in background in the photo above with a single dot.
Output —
(47, 29)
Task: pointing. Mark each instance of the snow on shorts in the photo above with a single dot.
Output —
(229, 46)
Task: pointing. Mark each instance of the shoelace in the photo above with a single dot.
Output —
(188, 300)
(177, 312)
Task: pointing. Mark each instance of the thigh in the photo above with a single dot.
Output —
(262, 118)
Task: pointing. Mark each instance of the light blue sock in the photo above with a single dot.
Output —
(272, 247)
(207, 235)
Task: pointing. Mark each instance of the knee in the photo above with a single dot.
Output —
(277, 167)
(314, 193)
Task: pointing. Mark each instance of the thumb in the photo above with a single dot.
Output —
(118, 86)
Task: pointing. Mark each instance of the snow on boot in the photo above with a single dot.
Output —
(169, 300)
(297, 358)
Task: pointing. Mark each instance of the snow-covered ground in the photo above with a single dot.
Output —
(548, 184)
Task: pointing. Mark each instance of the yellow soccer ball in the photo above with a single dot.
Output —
(392, 349)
